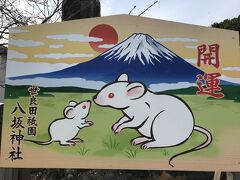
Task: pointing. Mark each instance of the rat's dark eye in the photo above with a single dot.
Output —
(111, 95)
(84, 107)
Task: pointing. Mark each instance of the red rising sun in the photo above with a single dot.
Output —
(107, 33)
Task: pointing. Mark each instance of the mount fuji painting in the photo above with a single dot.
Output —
(148, 94)
(140, 56)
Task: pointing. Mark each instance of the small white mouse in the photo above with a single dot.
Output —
(163, 120)
(65, 130)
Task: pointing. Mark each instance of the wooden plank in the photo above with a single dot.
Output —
(229, 176)
(217, 175)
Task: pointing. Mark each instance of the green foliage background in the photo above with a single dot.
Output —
(232, 24)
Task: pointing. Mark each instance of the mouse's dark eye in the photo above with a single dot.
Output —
(84, 107)
(111, 95)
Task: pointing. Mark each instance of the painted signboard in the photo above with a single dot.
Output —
(122, 92)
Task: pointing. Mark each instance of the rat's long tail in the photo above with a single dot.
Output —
(201, 146)
(40, 142)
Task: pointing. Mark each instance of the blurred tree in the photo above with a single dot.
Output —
(79, 9)
(232, 24)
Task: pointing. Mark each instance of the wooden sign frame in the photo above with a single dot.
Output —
(122, 92)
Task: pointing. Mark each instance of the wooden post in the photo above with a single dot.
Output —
(217, 175)
(229, 176)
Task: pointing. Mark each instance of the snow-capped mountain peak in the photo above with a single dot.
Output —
(140, 47)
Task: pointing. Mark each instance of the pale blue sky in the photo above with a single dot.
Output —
(201, 12)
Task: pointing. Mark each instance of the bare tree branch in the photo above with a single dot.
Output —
(3, 44)
(53, 13)
(27, 12)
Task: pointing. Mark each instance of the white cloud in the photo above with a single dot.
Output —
(230, 79)
(61, 56)
(12, 54)
(28, 68)
(231, 68)
(169, 86)
(74, 37)
(176, 40)
(191, 47)
(191, 60)
(63, 82)
(56, 46)
(16, 30)
(25, 43)
(106, 46)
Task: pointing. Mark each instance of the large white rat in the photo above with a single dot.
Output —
(65, 130)
(162, 120)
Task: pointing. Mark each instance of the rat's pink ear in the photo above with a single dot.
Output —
(135, 90)
(69, 112)
(123, 77)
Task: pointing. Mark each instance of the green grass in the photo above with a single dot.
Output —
(165, 152)
(111, 143)
(218, 116)
(82, 150)
(131, 152)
